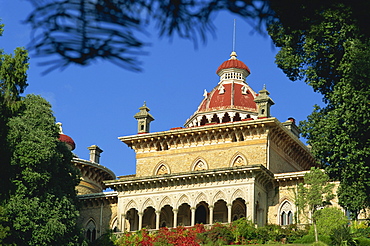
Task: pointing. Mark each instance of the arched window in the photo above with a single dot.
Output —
(286, 213)
(162, 170)
(200, 166)
(90, 231)
(290, 218)
(283, 219)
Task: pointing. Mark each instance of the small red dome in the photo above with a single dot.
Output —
(67, 140)
(233, 63)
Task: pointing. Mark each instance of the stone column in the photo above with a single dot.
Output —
(232, 115)
(157, 217)
(246, 209)
(140, 220)
(175, 211)
(123, 221)
(229, 207)
(211, 215)
(192, 216)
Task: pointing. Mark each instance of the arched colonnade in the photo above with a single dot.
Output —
(182, 213)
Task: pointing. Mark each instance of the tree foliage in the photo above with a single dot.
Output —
(328, 219)
(13, 81)
(330, 52)
(42, 210)
(81, 31)
(38, 203)
(314, 193)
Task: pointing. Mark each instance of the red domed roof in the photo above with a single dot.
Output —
(233, 62)
(68, 140)
(232, 98)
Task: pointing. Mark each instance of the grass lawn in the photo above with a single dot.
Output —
(276, 244)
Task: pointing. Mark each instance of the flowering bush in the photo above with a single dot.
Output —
(179, 236)
(139, 238)
(239, 232)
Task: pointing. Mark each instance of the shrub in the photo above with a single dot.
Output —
(269, 233)
(179, 236)
(219, 234)
(243, 229)
(328, 219)
(139, 238)
(104, 240)
(362, 241)
(342, 236)
(292, 233)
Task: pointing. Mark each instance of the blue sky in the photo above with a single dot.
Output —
(96, 103)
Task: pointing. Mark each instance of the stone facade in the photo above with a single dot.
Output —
(231, 160)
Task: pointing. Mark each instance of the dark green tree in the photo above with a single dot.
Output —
(13, 81)
(38, 204)
(314, 193)
(330, 52)
(42, 210)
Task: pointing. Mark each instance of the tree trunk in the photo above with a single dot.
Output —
(315, 228)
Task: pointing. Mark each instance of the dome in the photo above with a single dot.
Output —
(68, 141)
(232, 99)
(229, 96)
(233, 62)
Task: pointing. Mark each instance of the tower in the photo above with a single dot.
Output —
(143, 118)
(264, 102)
(231, 100)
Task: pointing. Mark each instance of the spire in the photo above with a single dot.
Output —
(144, 118)
(264, 102)
(234, 35)
(233, 56)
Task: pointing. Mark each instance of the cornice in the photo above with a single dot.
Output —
(98, 199)
(282, 177)
(288, 142)
(259, 172)
(106, 172)
(199, 135)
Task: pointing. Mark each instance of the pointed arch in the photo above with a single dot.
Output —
(165, 201)
(238, 194)
(238, 160)
(148, 203)
(219, 196)
(199, 164)
(113, 224)
(285, 213)
(201, 198)
(90, 230)
(161, 168)
(238, 209)
(183, 199)
(131, 204)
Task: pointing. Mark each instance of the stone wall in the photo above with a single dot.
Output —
(102, 212)
(213, 156)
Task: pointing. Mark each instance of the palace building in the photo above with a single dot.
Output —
(231, 159)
